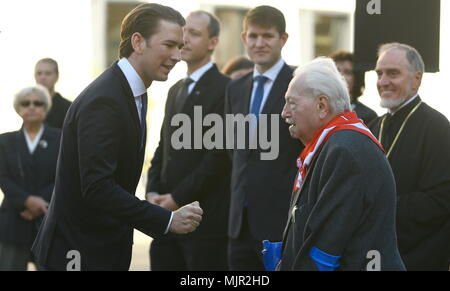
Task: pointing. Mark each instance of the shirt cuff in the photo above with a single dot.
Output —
(170, 222)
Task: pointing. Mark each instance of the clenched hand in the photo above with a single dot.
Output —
(186, 219)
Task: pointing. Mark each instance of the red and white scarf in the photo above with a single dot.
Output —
(347, 120)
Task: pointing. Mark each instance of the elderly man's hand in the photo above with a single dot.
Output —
(186, 219)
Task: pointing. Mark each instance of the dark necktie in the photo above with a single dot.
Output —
(259, 94)
(144, 102)
(182, 95)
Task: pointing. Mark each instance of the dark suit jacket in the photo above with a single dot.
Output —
(364, 112)
(94, 208)
(265, 185)
(420, 161)
(23, 174)
(195, 174)
(346, 207)
(56, 115)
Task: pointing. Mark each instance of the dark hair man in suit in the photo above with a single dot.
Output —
(260, 189)
(180, 176)
(343, 208)
(46, 73)
(90, 221)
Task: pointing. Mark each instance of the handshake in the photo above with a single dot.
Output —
(185, 219)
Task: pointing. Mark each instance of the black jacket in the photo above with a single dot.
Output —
(264, 185)
(58, 111)
(94, 208)
(23, 174)
(345, 208)
(195, 174)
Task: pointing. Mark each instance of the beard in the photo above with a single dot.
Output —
(396, 103)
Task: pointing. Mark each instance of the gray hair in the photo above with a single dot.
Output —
(39, 90)
(412, 55)
(321, 77)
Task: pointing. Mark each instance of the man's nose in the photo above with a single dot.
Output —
(383, 80)
(284, 113)
(260, 41)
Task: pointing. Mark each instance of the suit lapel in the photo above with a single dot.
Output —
(296, 196)
(203, 85)
(278, 90)
(128, 94)
(246, 94)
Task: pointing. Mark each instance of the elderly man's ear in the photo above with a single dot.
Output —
(323, 106)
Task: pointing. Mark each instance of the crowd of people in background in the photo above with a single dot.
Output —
(346, 181)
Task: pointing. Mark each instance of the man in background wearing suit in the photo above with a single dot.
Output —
(46, 73)
(93, 210)
(260, 189)
(178, 177)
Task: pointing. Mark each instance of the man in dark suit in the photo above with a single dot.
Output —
(260, 189)
(178, 177)
(342, 215)
(93, 210)
(46, 73)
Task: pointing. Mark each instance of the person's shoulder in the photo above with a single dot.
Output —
(432, 115)
(241, 81)
(4, 137)
(52, 131)
(353, 141)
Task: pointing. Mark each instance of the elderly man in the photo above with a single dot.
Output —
(417, 140)
(342, 213)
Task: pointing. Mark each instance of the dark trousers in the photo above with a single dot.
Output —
(14, 257)
(245, 252)
(178, 253)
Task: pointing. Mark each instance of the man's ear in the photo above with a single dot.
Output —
(138, 42)
(417, 80)
(243, 37)
(284, 37)
(213, 41)
(323, 106)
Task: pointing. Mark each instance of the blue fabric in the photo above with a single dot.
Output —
(324, 261)
(259, 94)
(271, 254)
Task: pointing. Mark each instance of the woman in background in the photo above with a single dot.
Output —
(238, 67)
(355, 83)
(27, 176)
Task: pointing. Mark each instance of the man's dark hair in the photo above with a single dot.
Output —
(267, 17)
(213, 26)
(358, 76)
(49, 61)
(145, 19)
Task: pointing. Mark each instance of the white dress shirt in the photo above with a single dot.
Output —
(271, 74)
(32, 144)
(136, 84)
(195, 76)
(138, 88)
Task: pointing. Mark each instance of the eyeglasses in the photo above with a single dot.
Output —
(27, 103)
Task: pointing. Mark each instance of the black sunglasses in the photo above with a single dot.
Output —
(36, 103)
